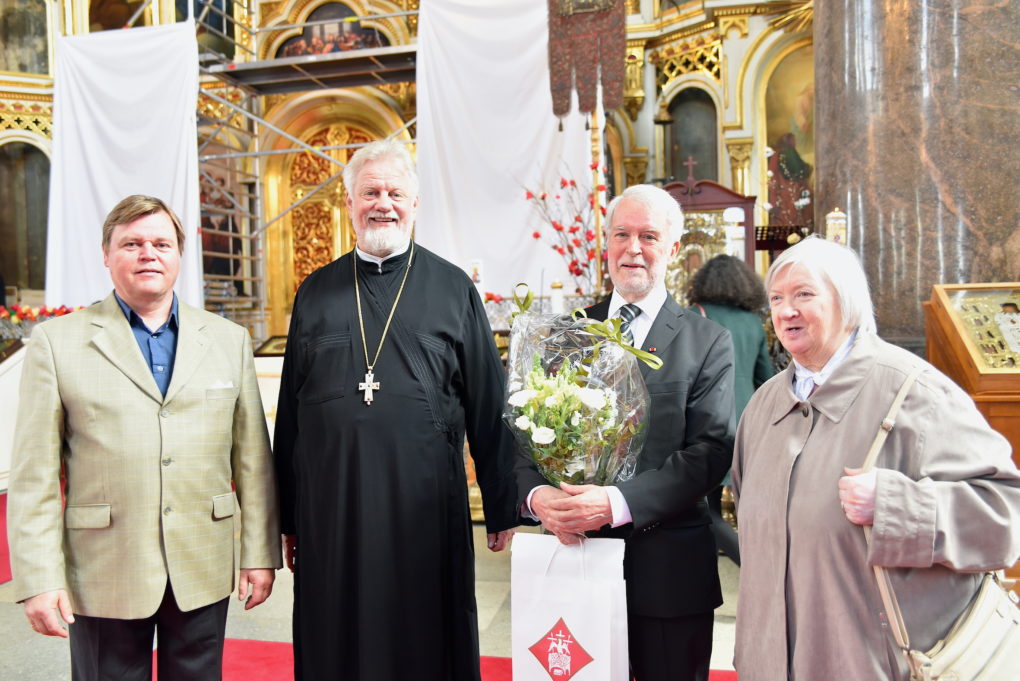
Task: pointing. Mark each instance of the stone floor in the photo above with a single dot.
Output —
(27, 656)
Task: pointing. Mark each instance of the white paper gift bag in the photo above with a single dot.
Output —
(568, 610)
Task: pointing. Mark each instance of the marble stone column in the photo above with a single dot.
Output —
(918, 140)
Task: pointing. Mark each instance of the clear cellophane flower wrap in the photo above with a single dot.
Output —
(575, 400)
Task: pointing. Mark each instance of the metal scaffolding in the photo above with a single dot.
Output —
(231, 125)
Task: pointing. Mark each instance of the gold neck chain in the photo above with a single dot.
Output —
(369, 385)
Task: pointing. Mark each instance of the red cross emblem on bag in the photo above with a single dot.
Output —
(559, 654)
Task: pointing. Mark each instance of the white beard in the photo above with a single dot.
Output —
(382, 241)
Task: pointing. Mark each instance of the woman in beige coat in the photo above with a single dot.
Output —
(943, 499)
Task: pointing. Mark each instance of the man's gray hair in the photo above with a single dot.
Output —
(373, 151)
(658, 200)
(838, 266)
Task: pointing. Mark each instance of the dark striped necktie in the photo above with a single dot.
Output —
(627, 313)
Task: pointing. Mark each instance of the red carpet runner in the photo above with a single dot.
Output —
(245, 660)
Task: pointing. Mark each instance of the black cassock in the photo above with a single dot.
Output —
(376, 494)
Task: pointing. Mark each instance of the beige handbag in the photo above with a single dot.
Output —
(983, 642)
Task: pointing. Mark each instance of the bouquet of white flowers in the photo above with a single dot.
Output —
(575, 398)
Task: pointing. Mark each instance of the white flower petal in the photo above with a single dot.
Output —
(593, 398)
(543, 436)
(521, 397)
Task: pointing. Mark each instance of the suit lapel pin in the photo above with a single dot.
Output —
(651, 349)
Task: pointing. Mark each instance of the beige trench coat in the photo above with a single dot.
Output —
(947, 507)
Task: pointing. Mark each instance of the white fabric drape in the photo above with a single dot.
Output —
(486, 132)
(124, 107)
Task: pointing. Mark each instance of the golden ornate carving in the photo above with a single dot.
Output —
(740, 163)
(703, 239)
(271, 10)
(412, 19)
(636, 167)
(633, 6)
(316, 223)
(26, 96)
(798, 16)
(272, 101)
(244, 18)
(406, 97)
(210, 108)
(633, 82)
(35, 117)
(730, 23)
(309, 169)
(702, 55)
(313, 238)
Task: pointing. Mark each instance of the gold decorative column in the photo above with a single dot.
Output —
(740, 163)
(633, 83)
(633, 6)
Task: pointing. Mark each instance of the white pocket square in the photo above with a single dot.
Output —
(221, 384)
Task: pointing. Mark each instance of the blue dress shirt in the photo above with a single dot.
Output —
(159, 347)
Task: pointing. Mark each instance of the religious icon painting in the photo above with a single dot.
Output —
(342, 35)
(789, 110)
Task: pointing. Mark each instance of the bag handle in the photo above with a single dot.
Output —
(559, 545)
(892, 606)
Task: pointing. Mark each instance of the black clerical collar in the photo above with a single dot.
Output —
(396, 258)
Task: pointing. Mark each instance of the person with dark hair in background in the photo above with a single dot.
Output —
(729, 293)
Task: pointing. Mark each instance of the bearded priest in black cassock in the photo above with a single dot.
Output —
(390, 361)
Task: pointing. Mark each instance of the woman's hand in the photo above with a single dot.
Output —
(857, 495)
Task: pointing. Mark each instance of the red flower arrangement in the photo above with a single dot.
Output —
(570, 215)
(17, 321)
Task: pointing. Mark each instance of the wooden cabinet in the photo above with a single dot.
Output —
(973, 336)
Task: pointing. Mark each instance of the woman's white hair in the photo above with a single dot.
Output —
(657, 199)
(838, 266)
(373, 151)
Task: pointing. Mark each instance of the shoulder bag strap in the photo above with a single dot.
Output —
(892, 606)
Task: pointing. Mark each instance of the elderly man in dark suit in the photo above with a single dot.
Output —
(670, 563)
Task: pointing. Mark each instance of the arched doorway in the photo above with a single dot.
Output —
(693, 134)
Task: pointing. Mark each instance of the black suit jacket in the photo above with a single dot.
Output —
(671, 563)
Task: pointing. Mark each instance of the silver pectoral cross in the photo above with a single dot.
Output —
(369, 385)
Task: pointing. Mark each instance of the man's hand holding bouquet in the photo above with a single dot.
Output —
(576, 402)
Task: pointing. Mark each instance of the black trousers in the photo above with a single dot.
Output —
(190, 644)
(670, 649)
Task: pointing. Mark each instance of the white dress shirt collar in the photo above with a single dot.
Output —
(649, 305)
(368, 257)
(805, 380)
